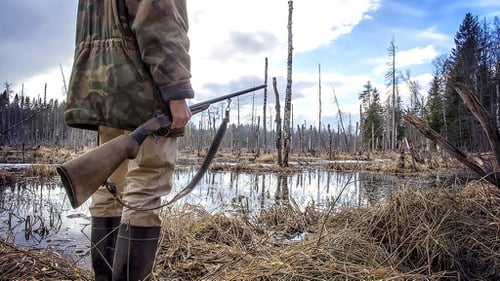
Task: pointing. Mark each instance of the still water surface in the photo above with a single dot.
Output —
(38, 214)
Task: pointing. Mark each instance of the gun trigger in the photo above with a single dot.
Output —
(163, 132)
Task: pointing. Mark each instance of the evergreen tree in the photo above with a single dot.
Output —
(464, 58)
(434, 106)
(372, 117)
(495, 79)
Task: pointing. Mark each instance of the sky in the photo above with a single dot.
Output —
(341, 43)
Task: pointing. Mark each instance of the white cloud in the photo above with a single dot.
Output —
(431, 33)
(35, 85)
(317, 22)
(416, 56)
(231, 42)
(406, 58)
(344, 87)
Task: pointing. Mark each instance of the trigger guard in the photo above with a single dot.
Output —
(163, 132)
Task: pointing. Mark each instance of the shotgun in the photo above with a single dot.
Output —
(83, 175)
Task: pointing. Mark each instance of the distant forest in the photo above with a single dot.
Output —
(474, 62)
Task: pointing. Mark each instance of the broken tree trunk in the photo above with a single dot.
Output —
(454, 151)
(277, 107)
(488, 124)
(491, 174)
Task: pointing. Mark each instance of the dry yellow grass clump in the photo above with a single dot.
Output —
(29, 264)
(7, 178)
(40, 171)
(416, 234)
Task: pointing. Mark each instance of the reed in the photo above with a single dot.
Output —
(40, 171)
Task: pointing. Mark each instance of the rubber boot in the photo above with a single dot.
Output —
(135, 252)
(104, 231)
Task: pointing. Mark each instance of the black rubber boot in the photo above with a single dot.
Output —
(104, 231)
(135, 252)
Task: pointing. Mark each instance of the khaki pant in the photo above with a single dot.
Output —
(141, 182)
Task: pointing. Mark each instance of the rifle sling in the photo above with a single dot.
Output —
(212, 151)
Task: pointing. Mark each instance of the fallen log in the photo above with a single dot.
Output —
(489, 175)
(487, 123)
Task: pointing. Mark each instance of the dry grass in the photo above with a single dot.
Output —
(29, 264)
(40, 154)
(387, 162)
(248, 162)
(40, 171)
(7, 178)
(416, 234)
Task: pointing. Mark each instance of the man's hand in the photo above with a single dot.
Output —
(180, 113)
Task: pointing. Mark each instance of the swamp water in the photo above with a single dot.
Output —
(38, 214)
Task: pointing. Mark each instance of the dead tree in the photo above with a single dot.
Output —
(330, 143)
(488, 124)
(278, 124)
(288, 96)
(257, 138)
(319, 108)
(301, 140)
(341, 130)
(264, 110)
(489, 173)
(238, 124)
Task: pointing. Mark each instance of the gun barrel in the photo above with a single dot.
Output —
(196, 108)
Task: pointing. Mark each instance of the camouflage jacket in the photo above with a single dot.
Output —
(131, 58)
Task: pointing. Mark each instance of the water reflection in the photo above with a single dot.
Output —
(228, 191)
(39, 215)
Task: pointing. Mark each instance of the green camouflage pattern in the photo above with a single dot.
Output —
(129, 53)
